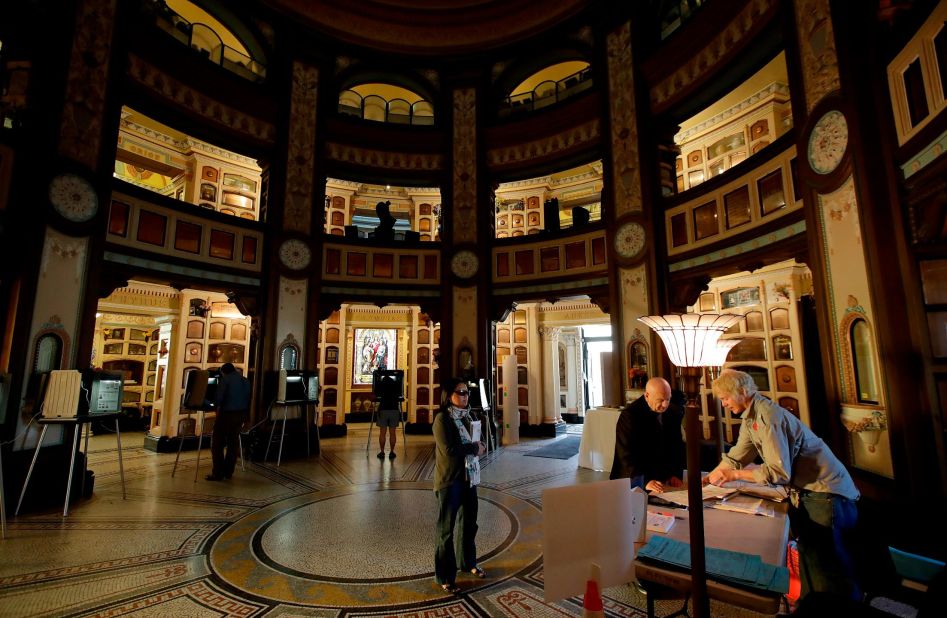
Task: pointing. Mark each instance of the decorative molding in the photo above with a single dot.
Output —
(565, 286)
(119, 258)
(776, 88)
(925, 157)
(80, 132)
(626, 164)
(383, 159)
(554, 144)
(181, 95)
(709, 57)
(744, 247)
(127, 318)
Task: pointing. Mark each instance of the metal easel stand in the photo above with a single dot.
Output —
(78, 422)
(200, 443)
(284, 405)
(404, 437)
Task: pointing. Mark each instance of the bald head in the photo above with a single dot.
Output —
(658, 394)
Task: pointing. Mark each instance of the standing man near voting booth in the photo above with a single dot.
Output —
(823, 495)
(389, 414)
(233, 407)
(649, 447)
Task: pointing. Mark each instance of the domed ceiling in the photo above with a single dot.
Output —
(431, 26)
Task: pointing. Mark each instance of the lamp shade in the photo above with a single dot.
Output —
(718, 355)
(691, 338)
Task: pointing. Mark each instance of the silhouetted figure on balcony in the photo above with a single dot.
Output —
(386, 222)
(580, 217)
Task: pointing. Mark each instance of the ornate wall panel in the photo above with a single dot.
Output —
(633, 292)
(816, 49)
(291, 320)
(297, 213)
(80, 133)
(464, 208)
(847, 280)
(626, 165)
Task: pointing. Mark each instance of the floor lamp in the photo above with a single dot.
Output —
(691, 343)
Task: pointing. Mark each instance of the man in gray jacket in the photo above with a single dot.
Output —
(824, 510)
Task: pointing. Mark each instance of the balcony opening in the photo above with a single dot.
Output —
(166, 161)
(569, 198)
(735, 127)
(411, 214)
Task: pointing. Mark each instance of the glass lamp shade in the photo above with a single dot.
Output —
(718, 355)
(691, 338)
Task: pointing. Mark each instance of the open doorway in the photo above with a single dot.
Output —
(552, 380)
(597, 351)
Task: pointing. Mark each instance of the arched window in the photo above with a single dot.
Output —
(863, 362)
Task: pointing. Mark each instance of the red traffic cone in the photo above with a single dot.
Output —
(592, 602)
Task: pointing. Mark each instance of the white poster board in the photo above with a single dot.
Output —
(585, 524)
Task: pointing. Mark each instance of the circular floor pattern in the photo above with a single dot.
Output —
(378, 535)
(365, 546)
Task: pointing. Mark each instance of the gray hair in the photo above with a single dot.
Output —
(732, 382)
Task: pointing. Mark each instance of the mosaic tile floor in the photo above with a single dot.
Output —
(343, 534)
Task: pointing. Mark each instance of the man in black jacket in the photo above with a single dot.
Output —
(649, 447)
(233, 406)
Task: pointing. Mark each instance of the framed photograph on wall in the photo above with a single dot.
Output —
(375, 348)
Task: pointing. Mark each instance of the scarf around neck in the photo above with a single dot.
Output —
(471, 462)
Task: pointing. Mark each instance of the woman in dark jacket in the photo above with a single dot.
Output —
(456, 476)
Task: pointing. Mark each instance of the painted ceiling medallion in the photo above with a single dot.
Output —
(464, 264)
(73, 197)
(630, 240)
(295, 254)
(827, 142)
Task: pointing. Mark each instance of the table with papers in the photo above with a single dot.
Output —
(597, 448)
(746, 557)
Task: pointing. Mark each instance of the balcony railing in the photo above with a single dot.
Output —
(547, 93)
(396, 111)
(205, 41)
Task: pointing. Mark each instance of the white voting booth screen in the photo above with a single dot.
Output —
(592, 523)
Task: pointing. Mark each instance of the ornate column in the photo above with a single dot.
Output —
(550, 374)
(66, 266)
(296, 246)
(630, 229)
(462, 255)
(573, 360)
(839, 200)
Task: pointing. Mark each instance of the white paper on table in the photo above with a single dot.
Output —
(746, 504)
(707, 492)
(475, 431)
